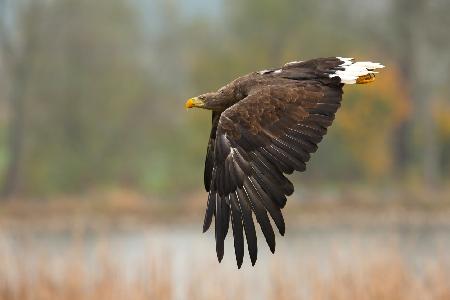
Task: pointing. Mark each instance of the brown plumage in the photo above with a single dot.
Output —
(265, 125)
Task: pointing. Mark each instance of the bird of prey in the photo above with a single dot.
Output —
(264, 125)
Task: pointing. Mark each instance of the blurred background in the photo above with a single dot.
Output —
(101, 166)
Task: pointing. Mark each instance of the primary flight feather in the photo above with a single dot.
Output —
(264, 125)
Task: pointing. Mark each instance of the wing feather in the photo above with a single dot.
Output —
(270, 133)
(238, 234)
(209, 161)
(210, 209)
(249, 226)
(269, 205)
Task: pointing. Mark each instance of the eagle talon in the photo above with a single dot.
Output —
(368, 78)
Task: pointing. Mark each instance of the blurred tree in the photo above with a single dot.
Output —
(16, 54)
(89, 97)
(422, 53)
(95, 88)
(442, 115)
(80, 94)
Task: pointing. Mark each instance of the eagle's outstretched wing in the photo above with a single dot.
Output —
(209, 161)
(253, 144)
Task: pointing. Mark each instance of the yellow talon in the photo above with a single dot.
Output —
(368, 78)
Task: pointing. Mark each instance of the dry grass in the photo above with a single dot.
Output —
(383, 277)
(29, 274)
(75, 280)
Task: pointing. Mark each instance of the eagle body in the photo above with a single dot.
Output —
(265, 125)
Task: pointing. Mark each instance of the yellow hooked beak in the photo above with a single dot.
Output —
(194, 102)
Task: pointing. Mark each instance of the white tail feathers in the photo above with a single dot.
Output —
(354, 70)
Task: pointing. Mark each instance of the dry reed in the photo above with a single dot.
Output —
(383, 277)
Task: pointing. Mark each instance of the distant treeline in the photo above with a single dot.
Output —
(92, 92)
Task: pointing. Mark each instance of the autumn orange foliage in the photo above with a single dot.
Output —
(367, 117)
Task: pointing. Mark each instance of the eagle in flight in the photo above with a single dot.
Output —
(264, 125)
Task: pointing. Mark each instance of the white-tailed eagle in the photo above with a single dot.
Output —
(264, 125)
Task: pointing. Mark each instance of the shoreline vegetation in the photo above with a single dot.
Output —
(378, 270)
(382, 276)
(117, 208)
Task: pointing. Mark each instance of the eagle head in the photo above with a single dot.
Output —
(216, 101)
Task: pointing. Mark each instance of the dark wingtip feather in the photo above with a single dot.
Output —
(220, 256)
(210, 208)
(281, 225)
(239, 264)
(236, 222)
(219, 247)
(267, 231)
(219, 230)
(269, 205)
(206, 226)
(260, 213)
(249, 226)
